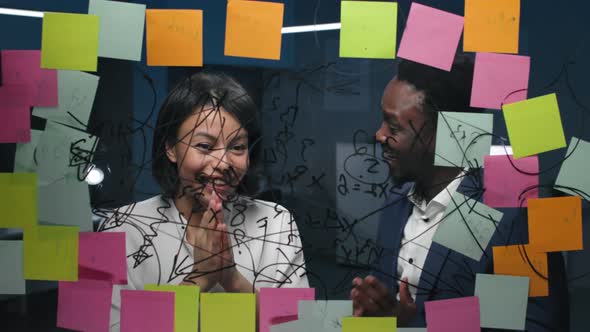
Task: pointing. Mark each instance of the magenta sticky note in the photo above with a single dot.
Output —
(279, 305)
(147, 311)
(457, 315)
(101, 256)
(509, 182)
(24, 67)
(15, 114)
(431, 36)
(499, 79)
(84, 305)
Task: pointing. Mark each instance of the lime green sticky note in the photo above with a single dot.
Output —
(69, 41)
(51, 253)
(18, 200)
(534, 125)
(216, 306)
(186, 305)
(368, 29)
(374, 324)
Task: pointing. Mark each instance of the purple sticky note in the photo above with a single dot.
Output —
(147, 311)
(24, 67)
(101, 256)
(506, 182)
(279, 305)
(15, 114)
(499, 79)
(431, 37)
(84, 305)
(457, 315)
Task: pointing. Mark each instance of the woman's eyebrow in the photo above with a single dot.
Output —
(204, 134)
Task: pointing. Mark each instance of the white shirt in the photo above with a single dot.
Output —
(419, 231)
(265, 241)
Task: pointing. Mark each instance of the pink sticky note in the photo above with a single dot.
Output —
(24, 67)
(84, 305)
(101, 256)
(279, 305)
(431, 36)
(147, 311)
(499, 79)
(15, 114)
(457, 315)
(506, 182)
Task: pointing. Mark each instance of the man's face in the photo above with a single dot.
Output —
(406, 133)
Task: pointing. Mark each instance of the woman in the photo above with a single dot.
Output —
(199, 231)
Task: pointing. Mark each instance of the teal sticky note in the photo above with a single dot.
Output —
(121, 28)
(467, 226)
(502, 300)
(292, 326)
(463, 139)
(24, 157)
(65, 202)
(572, 173)
(324, 315)
(12, 279)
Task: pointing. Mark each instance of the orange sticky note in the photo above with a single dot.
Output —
(253, 29)
(546, 215)
(174, 37)
(491, 26)
(512, 261)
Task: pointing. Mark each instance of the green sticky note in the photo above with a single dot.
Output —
(121, 28)
(18, 200)
(463, 139)
(324, 315)
(216, 306)
(373, 324)
(51, 253)
(502, 300)
(186, 305)
(534, 125)
(12, 280)
(573, 169)
(368, 29)
(467, 226)
(24, 157)
(65, 202)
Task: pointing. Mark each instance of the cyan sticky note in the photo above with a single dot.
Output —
(51, 253)
(572, 178)
(12, 279)
(147, 311)
(457, 315)
(24, 157)
(84, 305)
(502, 300)
(324, 315)
(278, 305)
(65, 202)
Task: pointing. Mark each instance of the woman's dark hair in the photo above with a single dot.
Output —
(186, 98)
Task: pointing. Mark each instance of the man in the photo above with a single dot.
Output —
(415, 269)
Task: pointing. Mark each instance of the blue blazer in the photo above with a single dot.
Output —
(449, 274)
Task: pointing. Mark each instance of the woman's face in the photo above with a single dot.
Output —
(211, 154)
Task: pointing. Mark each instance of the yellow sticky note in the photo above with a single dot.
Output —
(18, 200)
(522, 260)
(69, 41)
(186, 305)
(491, 26)
(253, 29)
(373, 324)
(51, 253)
(534, 125)
(216, 306)
(545, 215)
(174, 37)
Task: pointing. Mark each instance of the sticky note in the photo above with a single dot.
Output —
(368, 29)
(463, 139)
(84, 305)
(24, 157)
(101, 256)
(51, 253)
(534, 125)
(491, 26)
(76, 96)
(12, 279)
(521, 260)
(121, 28)
(215, 306)
(458, 315)
(572, 177)
(324, 315)
(502, 300)
(499, 79)
(291, 326)
(373, 324)
(174, 37)
(15, 116)
(278, 305)
(65, 202)
(467, 226)
(147, 311)
(24, 68)
(507, 183)
(253, 29)
(431, 36)
(186, 305)
(546, 215)
(69, 41)
(18, 200)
